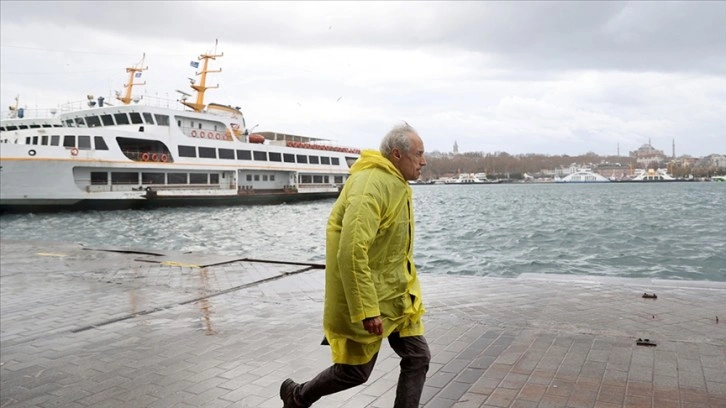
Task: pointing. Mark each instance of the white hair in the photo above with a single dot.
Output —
(397, 138)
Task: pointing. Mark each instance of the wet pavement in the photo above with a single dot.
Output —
(115, 327)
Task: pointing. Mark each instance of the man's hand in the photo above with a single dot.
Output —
(373, 325)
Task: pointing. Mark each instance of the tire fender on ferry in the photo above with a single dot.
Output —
(74, 151)
(145, 157)
(201, 134)
(154, 157)
(194, 133)
(31, 152)
(164, 157)
(218, 136)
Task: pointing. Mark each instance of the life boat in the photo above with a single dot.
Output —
(256, 138)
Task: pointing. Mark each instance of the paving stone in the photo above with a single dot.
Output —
(109, 329)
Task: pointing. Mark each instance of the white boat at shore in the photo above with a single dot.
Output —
(466, 178)
(129, 155)
(652, 175)
(583, 176)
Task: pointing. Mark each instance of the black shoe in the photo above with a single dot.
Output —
(287, 394)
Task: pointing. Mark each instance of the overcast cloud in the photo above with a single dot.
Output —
(521, 77)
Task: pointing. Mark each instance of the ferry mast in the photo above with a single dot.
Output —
(198, 106)
(133, 72)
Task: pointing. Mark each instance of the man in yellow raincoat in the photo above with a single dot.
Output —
(371, 288)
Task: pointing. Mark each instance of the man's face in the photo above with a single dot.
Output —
(410, 163)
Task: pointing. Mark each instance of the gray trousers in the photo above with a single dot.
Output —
(415, 357)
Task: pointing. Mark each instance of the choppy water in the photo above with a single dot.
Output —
(666, 231)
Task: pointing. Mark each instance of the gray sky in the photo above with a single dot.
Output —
(521, 77)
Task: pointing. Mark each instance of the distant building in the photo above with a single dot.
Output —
(612, 170)
(456, 147)
(714, 160)
(647, 154)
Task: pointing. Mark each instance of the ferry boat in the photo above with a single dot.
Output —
(132, 154)
(652, 175)
(583, 176)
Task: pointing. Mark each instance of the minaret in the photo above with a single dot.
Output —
(456, 147)
(674, 148)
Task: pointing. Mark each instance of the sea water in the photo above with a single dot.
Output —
(650, 230)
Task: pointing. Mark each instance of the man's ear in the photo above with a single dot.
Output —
(396, 153)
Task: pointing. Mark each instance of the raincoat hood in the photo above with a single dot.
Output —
(374, 159)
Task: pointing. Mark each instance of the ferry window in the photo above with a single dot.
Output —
(45, 125)
(264, 177)
(187, 151)
(314, 160)
(249, 177)
(326, 179)
(100, 143)
(177, 178)
(69, 141)
(199, 126)
(9, 128)
(207, 152)
(272, 177)
(44, 141)
(84, 142)
(28, 140)
(135, 118)
(317, 179)
(121, 118)
(335, 161)
(162, 120)
(23, 127)
(93, 121)
(148, 118)
(275, 157)
(179, 123)
(99, 178)
(35, 140)
(122, 177)
(70, 123)
(54, 140)
(301, 158)
(306, 179)
(226, 154)
(260, 156)
(152, 178)
(257, 177)
(338, 179)
(214, 178)
(107, 120)
(244, 155)
(80, 122)
(198, 178)
(288, 158)
(324, 160)
(35, 126)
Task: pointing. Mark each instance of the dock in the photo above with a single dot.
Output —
(128, 327)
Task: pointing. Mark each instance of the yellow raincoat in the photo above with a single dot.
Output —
(369, 261)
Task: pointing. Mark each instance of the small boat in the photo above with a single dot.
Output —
(652, 175)
(139, 153)
(584, 175)
(468, 178)
(718, 178)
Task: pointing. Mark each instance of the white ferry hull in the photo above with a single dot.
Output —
(96, 155)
